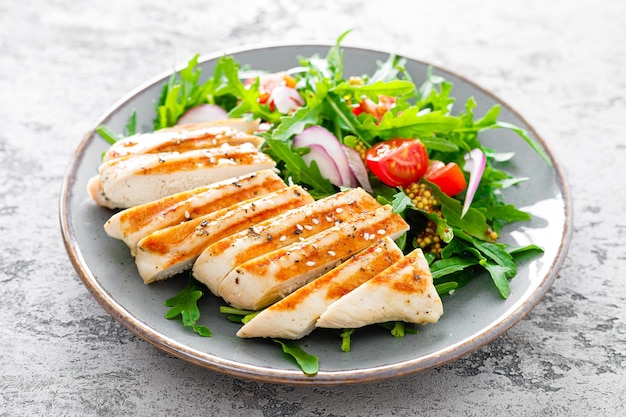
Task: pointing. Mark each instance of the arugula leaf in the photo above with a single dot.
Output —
(299, 170)
(390, 69)
(506, 212)
(307, 362)
(184, 305)
(401, 202)
(334, 58)
(448, 266)
(107, 134)
(181, 92)
(530, 141)
(248, 95)
(237, 315)
(409, 124)
(131, 125)
(474, 222)
(499, 276)
(346, 340)
(305, 116)
(388, 88)
(445, 288)
(398, 328)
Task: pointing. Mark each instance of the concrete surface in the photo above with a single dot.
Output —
(562, 64)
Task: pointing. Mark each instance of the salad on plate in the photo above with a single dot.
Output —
(306, 199)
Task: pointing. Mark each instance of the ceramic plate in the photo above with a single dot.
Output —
(474, 315)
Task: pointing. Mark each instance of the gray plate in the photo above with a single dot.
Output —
(474, 316)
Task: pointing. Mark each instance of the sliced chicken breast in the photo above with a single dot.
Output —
(179, 140)
(261, 281)
(295, 316)
(402, 292)
(243, 125)
(135, 223)
(169, 251)
(139, 179)
(221, 257)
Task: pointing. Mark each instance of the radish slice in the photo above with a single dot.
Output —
(286, 99)
(317, 135)
(325, 163)
(202, 113)
(475, 162)
(358, 168)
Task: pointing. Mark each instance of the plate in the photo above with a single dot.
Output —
(474, 315)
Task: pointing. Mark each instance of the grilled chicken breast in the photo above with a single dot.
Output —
(138, 179)
(263, 280)
(180, 140)
(242, 125)
(402, 292)
(221, 257)
(295, 316)
(135, 223)
(169, 251)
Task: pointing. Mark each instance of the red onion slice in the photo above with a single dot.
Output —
(475, 162)
(318, 136)
(325, 163)
(202, 113)
(286, 99)
(358, 168)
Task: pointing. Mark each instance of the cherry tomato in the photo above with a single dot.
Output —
(398, 162)
(449, 177)
(366, 105)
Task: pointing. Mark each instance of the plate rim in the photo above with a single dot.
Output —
(287, 376)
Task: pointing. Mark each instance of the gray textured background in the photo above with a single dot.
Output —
(62, 63)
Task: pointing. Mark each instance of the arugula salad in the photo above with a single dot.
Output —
(404, 143)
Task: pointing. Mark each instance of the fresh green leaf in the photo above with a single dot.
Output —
(307, 362)
(131, 125)
(446, 288)
(473, 223)
(346, 339)
(401, 202)
(299, 170)
(184, 305)
(410, 124)
(499, 276)
(107, 134)
(444, 267)
(305, 116)
(530, 141)
(372, 91)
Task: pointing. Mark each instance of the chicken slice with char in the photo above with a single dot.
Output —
(261, 281)
(294, 316)
(169, 251)
(221, 257)
(135, 223)
(179, 140)
(132, 180)
(402, 292)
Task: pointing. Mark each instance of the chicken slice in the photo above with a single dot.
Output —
(179, 140)
(221, 257)
(135, 223)
(294, 316)
(138, 179)
(263, 280)
(169, 251)
(402, 292)
(241, 124)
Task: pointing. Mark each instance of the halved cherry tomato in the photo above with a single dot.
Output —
(366, 105)
(398, 162)
(449, 177)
